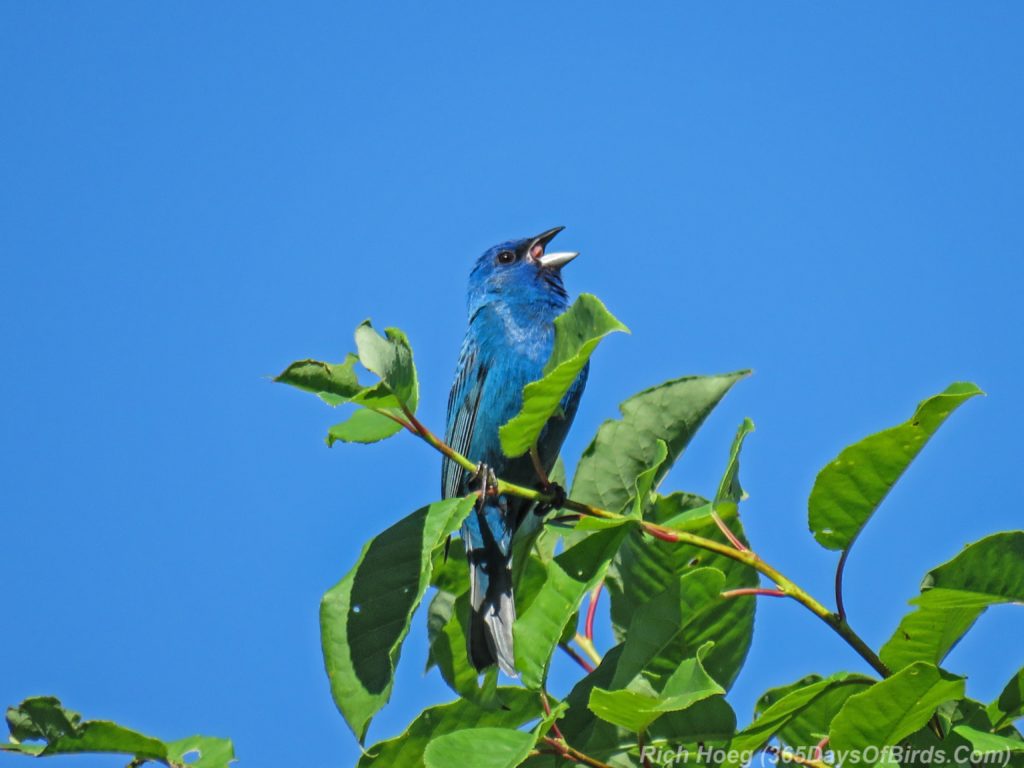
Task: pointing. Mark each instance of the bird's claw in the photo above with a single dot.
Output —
(557, 500)
(488, 480)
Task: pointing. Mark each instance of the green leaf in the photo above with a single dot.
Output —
(850, 488)
(730, 492)
(643, 488)
(638, 705)
(577, 333)
(407, 750)
(989, 743)
(954, 595)
(992, 566)
(894, 708)
(645, 567)
(43, 718)
(334, 383)
(928, 633)
(807, 725)
(568, 577)
(363, 426)
(624, 448)
(390, 357)
(365, 617)
(1010, 704)
(796, 699)
(447, 619)
(479, 747)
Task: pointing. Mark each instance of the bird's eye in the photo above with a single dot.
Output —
(506, 257)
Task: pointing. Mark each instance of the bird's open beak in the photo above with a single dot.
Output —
(550, 260)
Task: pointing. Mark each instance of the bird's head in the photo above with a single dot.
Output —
(520, 272)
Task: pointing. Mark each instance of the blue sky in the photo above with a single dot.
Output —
(195, 194)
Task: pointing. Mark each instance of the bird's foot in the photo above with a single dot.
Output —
(488, 480)
(557, 494)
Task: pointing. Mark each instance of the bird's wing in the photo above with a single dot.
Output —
(463, 404)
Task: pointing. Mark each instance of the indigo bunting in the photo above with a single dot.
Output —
(515, 294)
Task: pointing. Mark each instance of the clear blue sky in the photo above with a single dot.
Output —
(195, 194)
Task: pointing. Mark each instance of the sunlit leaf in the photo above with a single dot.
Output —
(1010, 703)
(577, 333)
(807, 724)
(894, 708)
(568, 577)
(363, 426)
(624, 448)
(954, 595)
(390, 357)
(849, 488)
(777, 716)
(335, 383)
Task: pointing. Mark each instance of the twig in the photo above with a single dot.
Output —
(588, 648)
(576, 657)
(747, 557)
(537, 467)
(563, 749)
(588, 626)
(754, 591)
(728, 533)
(840, 608)
(547, 711)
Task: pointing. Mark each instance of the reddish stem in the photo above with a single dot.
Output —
(728, 534)
(588, 626)
(547, 711)
(754, 591)
(576, 657)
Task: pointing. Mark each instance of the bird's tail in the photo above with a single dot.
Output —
(492, 605)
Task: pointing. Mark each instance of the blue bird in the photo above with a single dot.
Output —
(515, 294)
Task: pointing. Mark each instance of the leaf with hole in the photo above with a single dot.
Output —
(63, 732)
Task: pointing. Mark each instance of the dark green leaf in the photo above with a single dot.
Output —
(577, 333)
(644, 567)
(42, 718)
(479, 747)
(775, 717)
(568, 577)
(623, 449)
(807, 726)
(850, 487)
(894, 708)
(365, 617)
(406, 750)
